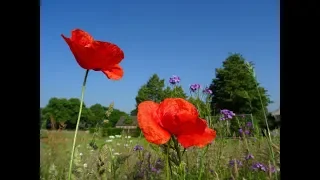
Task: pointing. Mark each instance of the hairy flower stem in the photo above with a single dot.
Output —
(78, 122)
(176, 147)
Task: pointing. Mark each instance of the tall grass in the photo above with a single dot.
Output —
(116, 159)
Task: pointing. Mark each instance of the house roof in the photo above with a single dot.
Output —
(121, 121)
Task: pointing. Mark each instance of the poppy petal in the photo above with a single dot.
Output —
(114, 73)
(200, 135)
(108, 53)
(148, 123)
(81, 37)
(82, 55)
(92, 54)
(178, 115)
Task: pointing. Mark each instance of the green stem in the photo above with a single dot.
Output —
(269, 135)
(167, 162)
(78, 122)
(201, 161)
(176, 147)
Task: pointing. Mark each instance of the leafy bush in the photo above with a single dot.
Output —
(113, 131)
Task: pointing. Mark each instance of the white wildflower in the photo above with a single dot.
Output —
(80, 154)
(111, 137)
(116, 154)
(118, 136)
(109, 140)
(118, 144)
(85, 165)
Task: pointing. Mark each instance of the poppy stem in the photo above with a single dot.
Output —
(77, 126)
(176, 146)
(168, 163)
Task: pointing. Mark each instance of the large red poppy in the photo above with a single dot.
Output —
(96, 55)
(174, 116)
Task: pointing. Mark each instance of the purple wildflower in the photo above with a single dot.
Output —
(249, 124)
(207, 91)
(259, 166)
(249, 156)
(194, 87)
(226, 114)
(138, 148)
(240, 131)
(247, 132)
(153, 169)
(231, 162)
(272, 170)
(174, 80)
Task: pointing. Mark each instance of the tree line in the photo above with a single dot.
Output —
(233, 87)
(62, 113)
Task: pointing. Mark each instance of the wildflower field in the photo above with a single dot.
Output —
(134, 158)
(218, 132)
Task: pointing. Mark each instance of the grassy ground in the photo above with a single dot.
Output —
(116, 159)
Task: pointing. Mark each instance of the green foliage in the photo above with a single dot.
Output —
(104, 132)
(113, 131)
(235, 88)
(63, 110)
(92, 130)
(152, 90)
(133, 112)
(137, 133)
(197, 103)
(114, 159)
(115, 116)
(155, 90)
(177, 92)
(98, 113)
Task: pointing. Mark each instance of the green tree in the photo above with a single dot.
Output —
(176, 91)
(197, 103)
(99, 113)
(115, 116)
(133, 112)
(64, 111)
(234, 88)
(152, 90)
(155, 90)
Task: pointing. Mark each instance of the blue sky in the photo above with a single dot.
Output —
(186, 38)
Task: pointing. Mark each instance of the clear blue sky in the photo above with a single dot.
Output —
(187, 38)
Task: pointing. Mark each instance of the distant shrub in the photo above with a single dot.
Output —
(113, 131)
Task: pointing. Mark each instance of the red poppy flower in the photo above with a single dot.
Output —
(96, 55)
(173, 116)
